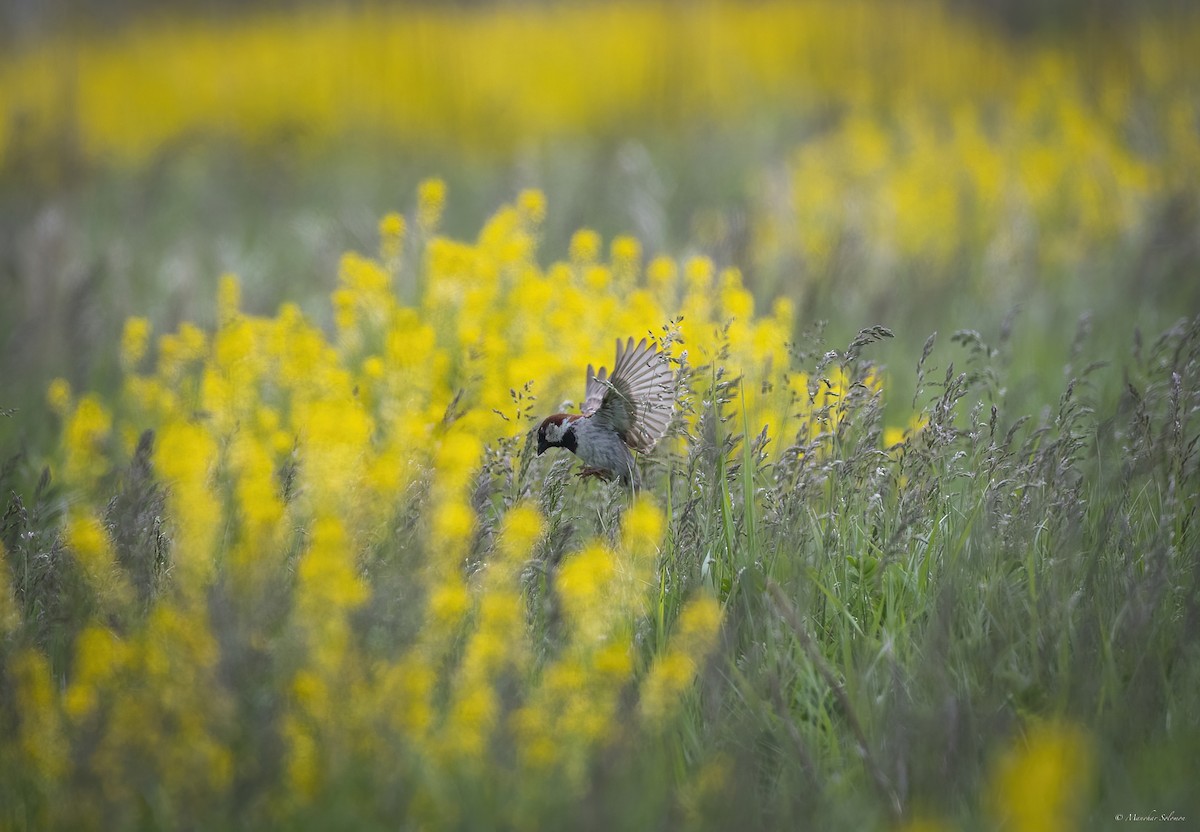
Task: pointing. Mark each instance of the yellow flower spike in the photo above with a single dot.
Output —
(183, 458)
(373, 368)
(431, 201)
(365, 279)
(84, 435)
(585, 247)
(193, 340)
(662, 274)
(709, 787)
(471, 721)
(40, 742)
(453, 524)
(58, 396)
(893, 436)
(135, 338)
(500, 610)
(614, 662)
(693, 638)
(736, 301)
(597, 279)
(329, 581)
(456, 461)
(10, 613)
(1041, 783)
(698, 624)
(260, 508)
(345, 312)
(448, 603)
(531, 203)
(391, 237)
(176, 351)
(626, 258)
(626, 251)
(698, 272)
(303, 760)
(99, 656)
(539, 751)
(643, 526)
(523, 527)
(583, 586)
(335, 442)
(498, 232)
(311, 693)
(89, 543)
(516, 251)
(406, 687)
(229, 298)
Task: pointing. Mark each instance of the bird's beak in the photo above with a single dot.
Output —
(542, 445)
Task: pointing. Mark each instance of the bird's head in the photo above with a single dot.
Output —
(556, 432)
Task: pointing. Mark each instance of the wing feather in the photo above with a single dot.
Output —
(638, 399)
(593, 394)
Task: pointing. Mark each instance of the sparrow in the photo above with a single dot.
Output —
(628, 410)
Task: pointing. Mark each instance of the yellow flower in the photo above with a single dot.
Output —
(447, 604)
(391, 236)
(90, 544)
(453, 522)
(135, 338)
(10, 614)
(471, 720)
(407, 686)
(373, 368)
(431, 201)
(709, 787)
(699, 274)
(532, 205)
(345, 313)
(523, 526)
(456, 461)
(673, 671)
(84, 436)
(584, 584)
(183, 458)
(698, 623)
(229, 298)
(626, 256)
(312, 695)
(643, 526)
(99, 655)
(585, 247)
(328, 578)
(597, 278)
(893, 436)
(58, 396)
(614, 662)
(303, 760)
(1041, 782)
(736, 302)
(176, 351)
(41, 742)
(662, 273)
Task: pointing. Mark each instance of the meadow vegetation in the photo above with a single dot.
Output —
(275, 550)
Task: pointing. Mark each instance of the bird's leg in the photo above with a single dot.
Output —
(598, 473)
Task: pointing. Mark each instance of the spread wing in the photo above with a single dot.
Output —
(637, 400)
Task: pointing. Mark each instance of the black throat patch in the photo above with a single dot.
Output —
(568, 440)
